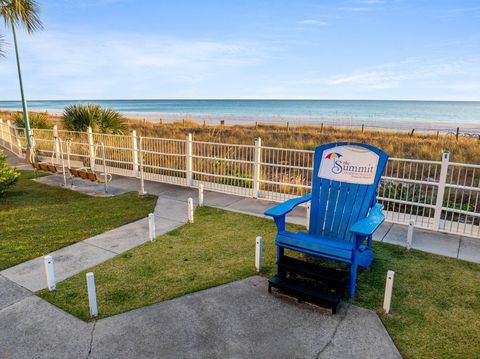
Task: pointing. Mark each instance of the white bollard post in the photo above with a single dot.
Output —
(92, 295)
(411, 225)
(258, 253)
(190, 210)
(388, 291)
(308, 216)
(200, 195)
(151, 227)
(50, 273)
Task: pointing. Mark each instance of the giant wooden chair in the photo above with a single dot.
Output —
(344, 213)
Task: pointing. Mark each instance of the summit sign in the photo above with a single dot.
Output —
(351, 164)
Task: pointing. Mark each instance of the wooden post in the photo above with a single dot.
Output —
(258, 253)
(49, 272)
(438, 134)
(151, 227)
(411, 133)
(288, 126)
(388, 291)
(411, 226)
(222, 123)
(321, 128)
(190, 210)
(92, 295)
(458, 132)
(363, 127)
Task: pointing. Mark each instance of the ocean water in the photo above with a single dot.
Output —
(382, 114)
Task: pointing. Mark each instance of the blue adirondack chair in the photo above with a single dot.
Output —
(344, 213)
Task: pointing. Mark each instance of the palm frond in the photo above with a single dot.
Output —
(2, 44)
(22, 13)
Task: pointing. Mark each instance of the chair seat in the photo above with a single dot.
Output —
(322, 246)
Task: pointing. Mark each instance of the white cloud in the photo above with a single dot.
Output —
(58, 65)
(313, 22)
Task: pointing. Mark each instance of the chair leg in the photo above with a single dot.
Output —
(280, 254)
(369, 242)
(353, 276)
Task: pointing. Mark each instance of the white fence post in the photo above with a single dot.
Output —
(136, 171)
(9, 135)
(441, 191)
(2, 136)
(142, 175)
(190, 210)
(56, 143)
(19, 143)
(258, 253)
(200, 195)
(257, 167)
(49, 272)
(92, 294)
(91, 148)
(189, 159)
(388, 291)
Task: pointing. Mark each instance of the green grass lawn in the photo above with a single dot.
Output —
(436, 305)
(37, 219)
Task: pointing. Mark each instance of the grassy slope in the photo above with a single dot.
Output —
(37, 219)
(436, 302)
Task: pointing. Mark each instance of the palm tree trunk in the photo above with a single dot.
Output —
(24, 102)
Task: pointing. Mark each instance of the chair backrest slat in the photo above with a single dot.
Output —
(337, 205)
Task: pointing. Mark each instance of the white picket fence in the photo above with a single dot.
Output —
(438, 195)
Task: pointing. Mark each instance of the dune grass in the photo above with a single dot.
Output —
(396, 143)
(37, 219)
(435, 308)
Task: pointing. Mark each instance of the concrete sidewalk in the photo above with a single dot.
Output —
(237, 320)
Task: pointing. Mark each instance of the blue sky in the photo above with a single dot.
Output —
(352, 49)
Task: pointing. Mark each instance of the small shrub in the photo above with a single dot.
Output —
(105, 120)
(37, 120)
(8, 175)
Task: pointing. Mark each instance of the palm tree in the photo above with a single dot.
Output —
(101, 119)
(25, 14)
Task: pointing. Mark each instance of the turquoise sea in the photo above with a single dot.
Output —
(388, 114)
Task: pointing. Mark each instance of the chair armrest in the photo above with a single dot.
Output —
(286, 207)
(365, 227)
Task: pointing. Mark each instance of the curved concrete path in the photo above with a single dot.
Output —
(237, 320)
